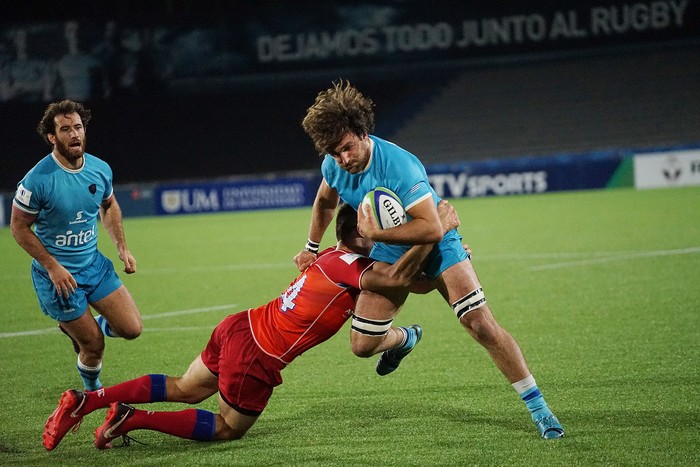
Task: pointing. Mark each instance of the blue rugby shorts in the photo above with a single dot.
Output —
(445, 254)
(95, 282)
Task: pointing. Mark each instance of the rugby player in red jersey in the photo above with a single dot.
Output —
(248, 350)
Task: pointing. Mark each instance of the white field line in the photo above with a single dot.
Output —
(616, 257)
(221, 267)
(192, 311)
(231, 307)
(176, 270)
(589, 258)
(524, 256)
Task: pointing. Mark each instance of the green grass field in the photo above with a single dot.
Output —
(600, 288)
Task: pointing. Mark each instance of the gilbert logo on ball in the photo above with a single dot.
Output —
(386, 207)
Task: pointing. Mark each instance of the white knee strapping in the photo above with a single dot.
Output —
(370, 327)
(469, 302)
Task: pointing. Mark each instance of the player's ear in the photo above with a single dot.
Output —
(52, 138)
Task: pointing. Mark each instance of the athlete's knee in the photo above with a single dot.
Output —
(367, 335)
(362, 347)
(128, 329)
(131, 332)
(482, 327)
(232, 427)
(226, 433)
(474, 314)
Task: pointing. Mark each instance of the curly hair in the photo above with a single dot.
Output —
(47, 125)
(336, 111)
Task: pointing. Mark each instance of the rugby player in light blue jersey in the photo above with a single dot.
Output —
(61, 197)
(339, 124)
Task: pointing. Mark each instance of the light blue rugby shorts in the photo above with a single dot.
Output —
(95, 282)
(445, 254)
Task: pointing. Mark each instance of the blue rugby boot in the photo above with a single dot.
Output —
(548, 425)
(391, 359)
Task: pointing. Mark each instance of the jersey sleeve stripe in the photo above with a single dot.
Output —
(24, 209)
(425, 196)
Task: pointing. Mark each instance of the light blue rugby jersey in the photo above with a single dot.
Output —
(390, 167)
(66, 203)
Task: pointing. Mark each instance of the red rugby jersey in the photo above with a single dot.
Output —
(313, 308)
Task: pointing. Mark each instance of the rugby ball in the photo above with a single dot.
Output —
(386, 207)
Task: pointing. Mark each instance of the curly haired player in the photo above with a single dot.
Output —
(339, 124)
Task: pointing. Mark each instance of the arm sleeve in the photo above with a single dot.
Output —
(412, 183)
(27, 197)
(109, 190)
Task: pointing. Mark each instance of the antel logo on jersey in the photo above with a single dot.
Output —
(71, 238)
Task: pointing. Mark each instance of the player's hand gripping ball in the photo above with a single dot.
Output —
(386, 207)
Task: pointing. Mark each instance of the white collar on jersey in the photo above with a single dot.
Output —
(67, 169)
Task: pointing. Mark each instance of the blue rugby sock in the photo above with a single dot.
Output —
(531, 395)
(205, 428)
(158, 388)
(105, 327)
(90, 376)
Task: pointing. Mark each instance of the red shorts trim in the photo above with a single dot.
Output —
(247, 375)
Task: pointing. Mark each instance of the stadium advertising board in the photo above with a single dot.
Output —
(136, 200)
(430, 30)
(528, 175)
(191, 198)
(667, 169)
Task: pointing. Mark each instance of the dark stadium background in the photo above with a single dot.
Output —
(218, 113)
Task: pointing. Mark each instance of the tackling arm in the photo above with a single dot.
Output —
(384, 276)
(322, 214)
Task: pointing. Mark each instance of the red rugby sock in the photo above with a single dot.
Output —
(188, 423)
(131, 392)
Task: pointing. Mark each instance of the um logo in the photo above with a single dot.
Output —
(194, 200)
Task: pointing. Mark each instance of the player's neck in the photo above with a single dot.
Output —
(70, 164)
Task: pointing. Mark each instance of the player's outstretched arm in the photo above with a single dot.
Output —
(322, 214)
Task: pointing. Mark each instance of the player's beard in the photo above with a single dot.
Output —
(73, 154)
